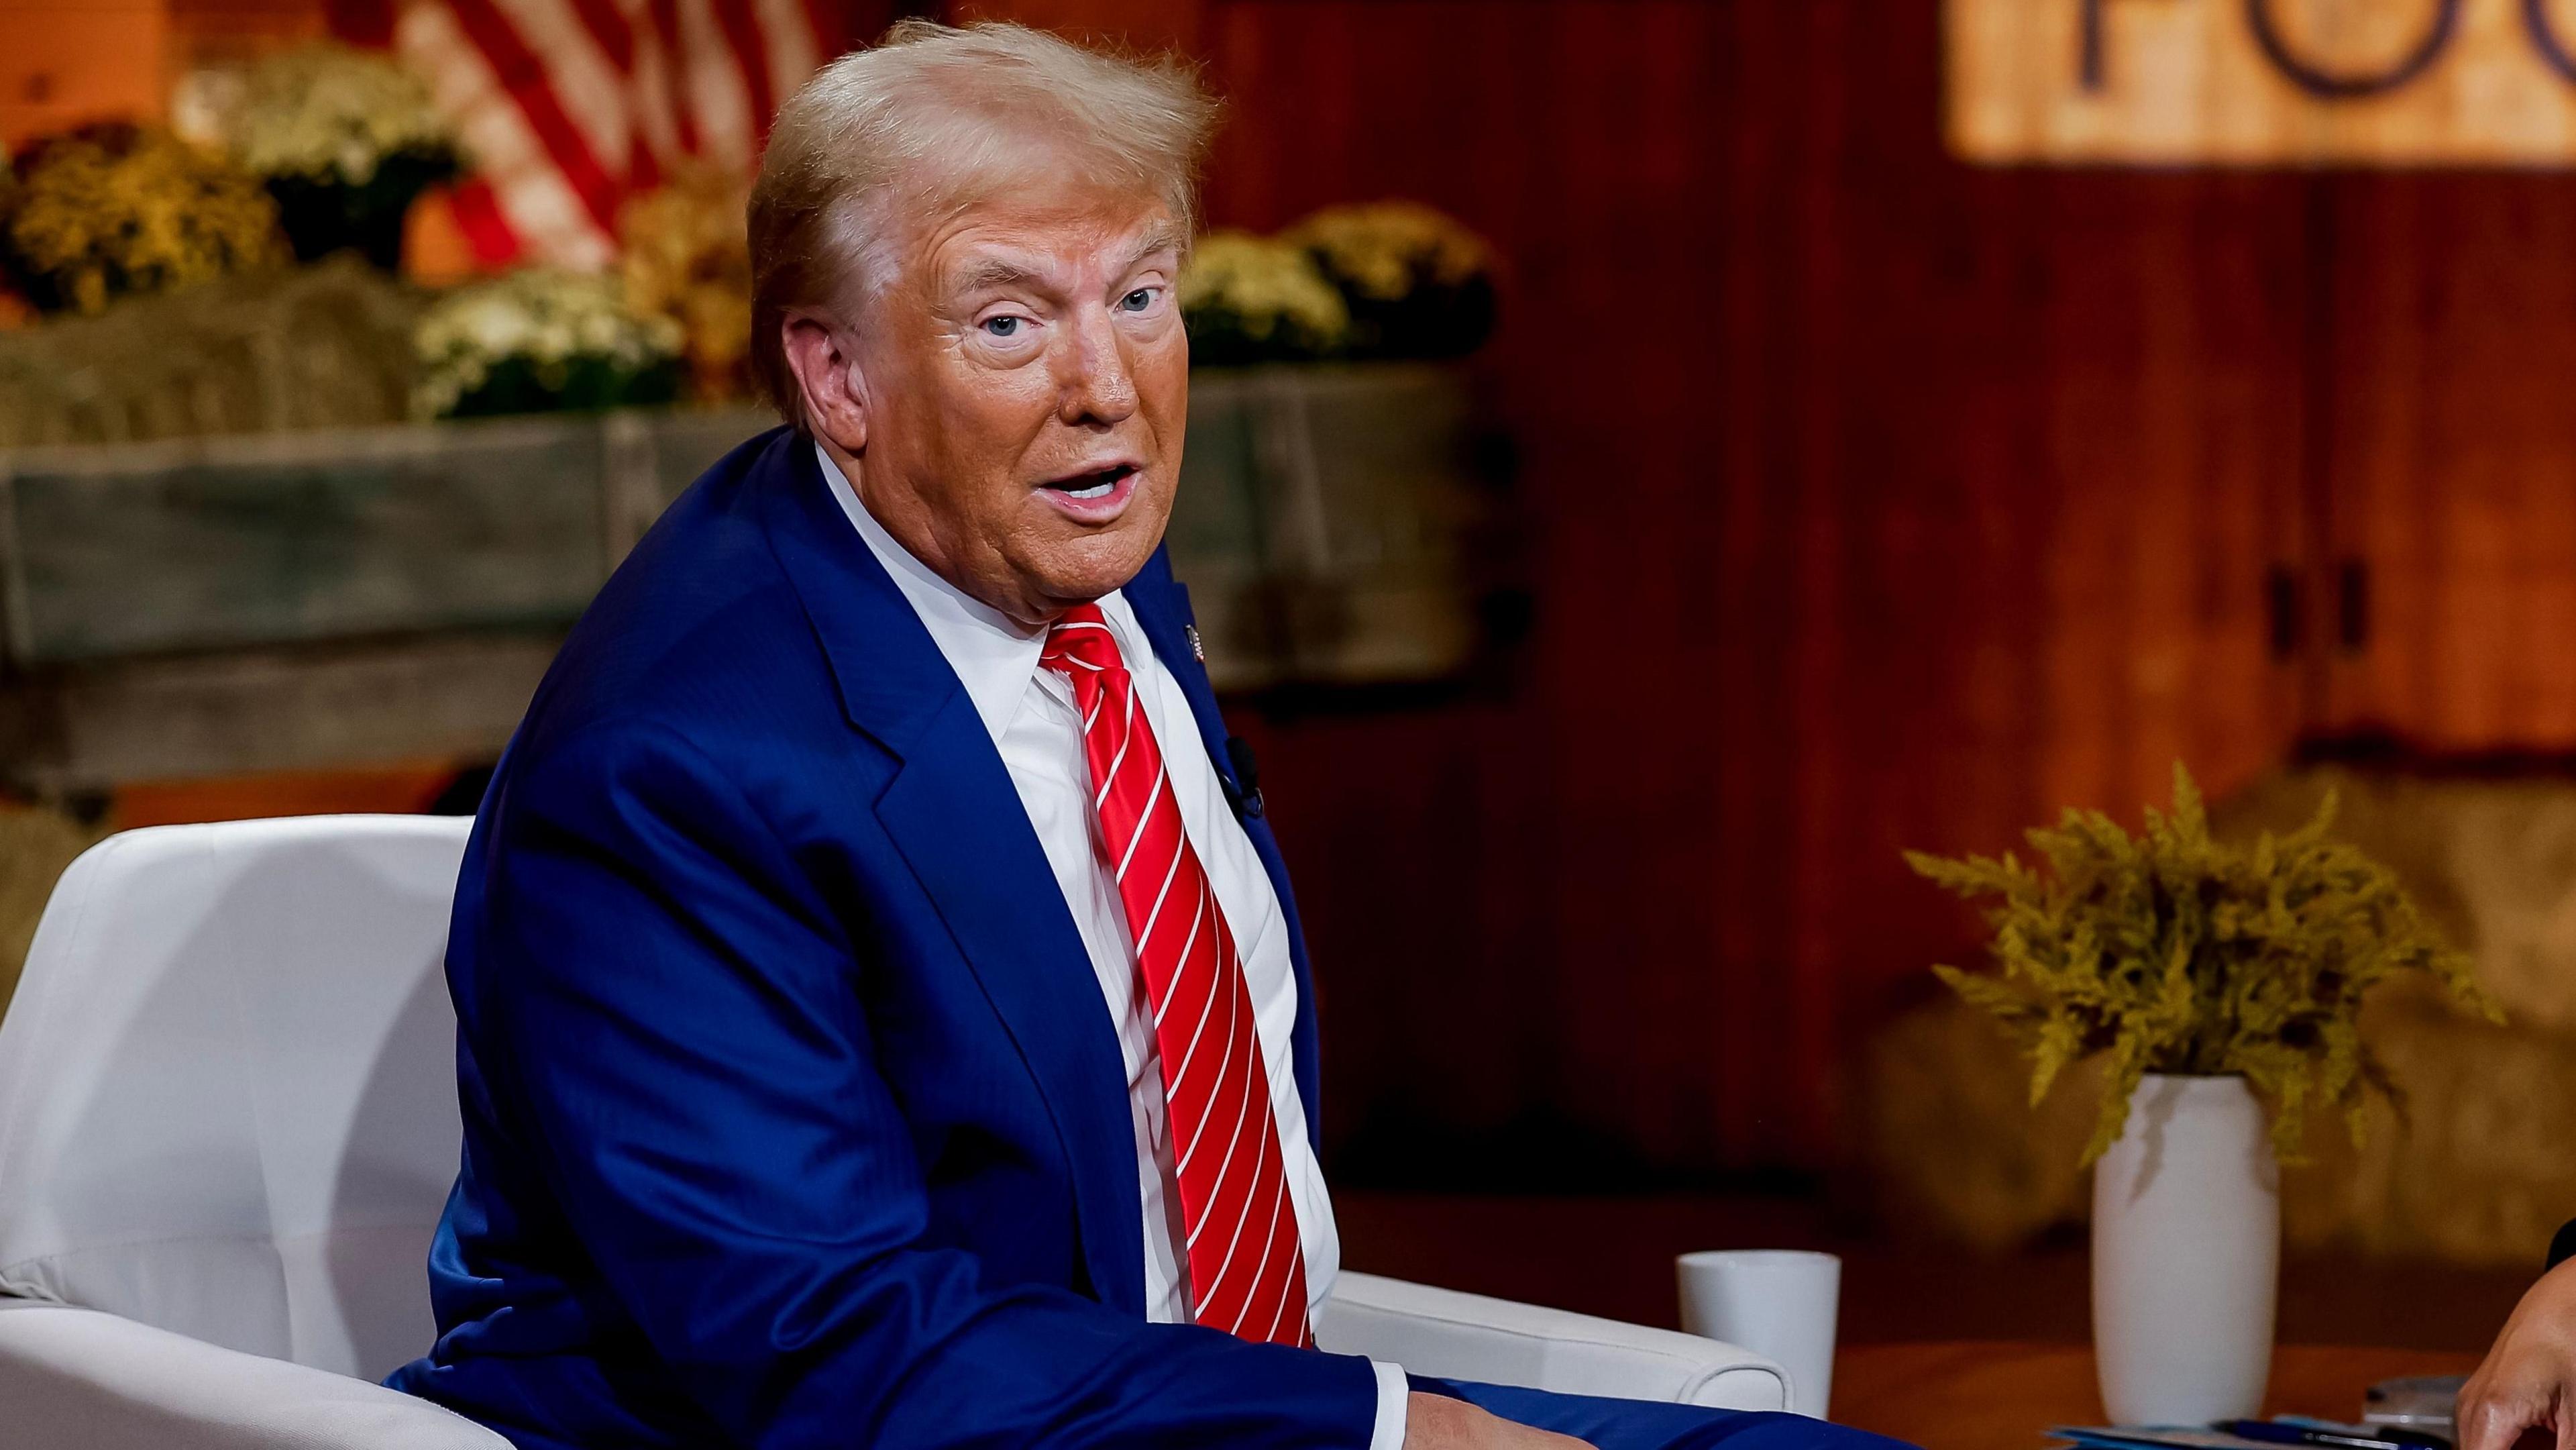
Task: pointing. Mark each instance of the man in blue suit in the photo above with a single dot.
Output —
(882, 1014)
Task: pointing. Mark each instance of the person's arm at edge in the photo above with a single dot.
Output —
(2528, 1380)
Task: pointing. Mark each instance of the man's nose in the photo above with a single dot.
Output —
(1095, 383)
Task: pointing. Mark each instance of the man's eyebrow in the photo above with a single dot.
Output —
(994, 272)
(1162, 238)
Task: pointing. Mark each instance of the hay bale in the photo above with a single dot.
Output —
(35, 846)
(2484, 1168)
(1957, 1147)
(2493, 862)
(325, 346)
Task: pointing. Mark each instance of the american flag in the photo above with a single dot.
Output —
(568, 106)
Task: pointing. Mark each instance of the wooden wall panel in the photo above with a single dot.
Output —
(1875, 501)
(2452, 373)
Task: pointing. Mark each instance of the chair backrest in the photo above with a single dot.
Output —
(228, 1085)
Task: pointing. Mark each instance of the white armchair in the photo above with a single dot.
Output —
(228, 1123)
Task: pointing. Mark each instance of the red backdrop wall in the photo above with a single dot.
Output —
(1874, 501)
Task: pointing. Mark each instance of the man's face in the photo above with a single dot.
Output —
(1026, 384)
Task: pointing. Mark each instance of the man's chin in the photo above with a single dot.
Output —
(1083, 569)
(1071, 586)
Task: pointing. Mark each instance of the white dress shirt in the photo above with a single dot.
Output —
(1030, 712)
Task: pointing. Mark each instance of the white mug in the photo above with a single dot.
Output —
(1778, 1303)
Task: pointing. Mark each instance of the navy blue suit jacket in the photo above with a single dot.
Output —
(793, 1114)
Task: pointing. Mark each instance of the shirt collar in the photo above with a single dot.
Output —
(994, 655)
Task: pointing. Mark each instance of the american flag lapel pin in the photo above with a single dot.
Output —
(1198, 651)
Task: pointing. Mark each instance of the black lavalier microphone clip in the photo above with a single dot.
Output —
(1245, 788)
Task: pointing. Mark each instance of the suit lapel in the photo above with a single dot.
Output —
(953, 813)
(1162, 607)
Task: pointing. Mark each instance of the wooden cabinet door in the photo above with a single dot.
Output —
(2447, 484)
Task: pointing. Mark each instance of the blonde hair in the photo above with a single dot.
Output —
(930, 118)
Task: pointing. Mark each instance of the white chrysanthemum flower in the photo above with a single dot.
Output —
(551, 320)
(334, 113)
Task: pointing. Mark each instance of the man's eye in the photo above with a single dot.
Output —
(1140, 299)
(1003, 326)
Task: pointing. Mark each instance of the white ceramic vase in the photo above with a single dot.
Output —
(2186, 1255)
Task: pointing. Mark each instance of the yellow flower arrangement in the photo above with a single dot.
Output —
(2174, 953)
(1251, 299)
(1418, 284)
(108, 210)
(1383, 250)
(687, 258)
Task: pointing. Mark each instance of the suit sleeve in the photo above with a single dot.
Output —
(687, 1054)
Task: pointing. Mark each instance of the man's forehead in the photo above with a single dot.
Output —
(1002, 241)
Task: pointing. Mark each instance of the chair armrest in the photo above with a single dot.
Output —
(1449, 1335)
(87, 1380)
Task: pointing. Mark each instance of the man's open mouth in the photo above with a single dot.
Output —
(1100, 483)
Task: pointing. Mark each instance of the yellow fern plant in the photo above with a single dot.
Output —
(2174, 953)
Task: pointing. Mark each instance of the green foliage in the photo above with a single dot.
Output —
(2174, 953)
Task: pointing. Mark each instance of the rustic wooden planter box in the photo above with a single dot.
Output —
(303, 600)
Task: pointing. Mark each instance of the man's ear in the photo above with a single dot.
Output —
(827, 374)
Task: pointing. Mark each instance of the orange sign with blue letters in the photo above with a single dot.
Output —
(2263, 82)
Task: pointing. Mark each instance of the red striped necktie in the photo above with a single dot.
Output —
(1247, 1272)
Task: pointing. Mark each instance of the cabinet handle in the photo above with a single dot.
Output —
(2352, 605)
(2281, 610)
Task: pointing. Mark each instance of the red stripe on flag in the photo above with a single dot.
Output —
(616, 38)
(478, 216)
(751, 57)
(675, 63)
(607, 25)
(646, 173)
(524, 78)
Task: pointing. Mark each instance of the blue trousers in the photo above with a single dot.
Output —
(1638, 1425)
